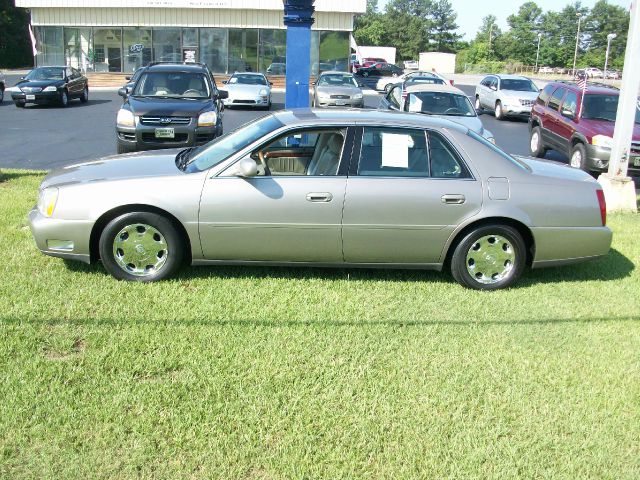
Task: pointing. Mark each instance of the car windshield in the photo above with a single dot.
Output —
(173, 85)
(603, 107)
(518, 85)
(221, 148)
(245, 79)
(46, 73)
(337, 80)
(441, 103)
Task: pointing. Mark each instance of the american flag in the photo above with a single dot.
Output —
(582, 81)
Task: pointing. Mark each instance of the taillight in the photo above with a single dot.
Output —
(451, 82)
(603, 206)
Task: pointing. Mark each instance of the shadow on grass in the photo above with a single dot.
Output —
(14, 174)
(613, 266)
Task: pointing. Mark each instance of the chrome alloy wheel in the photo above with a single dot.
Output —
(535, 140)
(490, 259)
(576, 159)
(140, 249)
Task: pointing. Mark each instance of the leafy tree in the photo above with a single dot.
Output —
(15, 44)
(603, 20)
(443, 26)
(521, 42)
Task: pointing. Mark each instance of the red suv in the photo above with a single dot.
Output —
(584, 134)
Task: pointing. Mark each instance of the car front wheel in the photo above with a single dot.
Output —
(141, 247)
(499, 111)
(579, 156)
(84, 98)
(64, 98)
(489, 258)
(478, 104)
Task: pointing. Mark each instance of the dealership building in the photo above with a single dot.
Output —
(227, 35)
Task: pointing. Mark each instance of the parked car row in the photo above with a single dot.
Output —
(47, 85)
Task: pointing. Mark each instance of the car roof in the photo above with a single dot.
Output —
(306, 116)
(592, 88)
(504, 76)
(433, 87)
(335, 72)
(255, 74)
(176, 67)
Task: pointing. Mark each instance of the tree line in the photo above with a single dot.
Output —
(414, 26)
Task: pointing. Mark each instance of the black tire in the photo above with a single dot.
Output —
(120, 148)
(64, 99)
(478, 105)
(578, 157)
(536, 144)
(153, 225)
(19, 104)
(506, 239)
(498, 111)
(1, 94)
(84, 98)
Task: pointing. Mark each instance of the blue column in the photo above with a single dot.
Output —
(298, 17)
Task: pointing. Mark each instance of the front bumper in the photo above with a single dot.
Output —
(247, 101)
(39, 98)
(340, 103)
(598, 160)
(50, 233)
(143, 137)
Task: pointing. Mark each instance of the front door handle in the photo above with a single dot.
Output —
(453, 199)
(319, 197)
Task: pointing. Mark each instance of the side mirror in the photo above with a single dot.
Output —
(225, 81)
(568, 114)
(128, 77)
(21, 78)
(271, 84)
(313, 83)
(247, 168)
(493, 87)
(123, 92)
(222, 94)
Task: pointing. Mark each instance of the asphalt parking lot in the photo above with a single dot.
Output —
(45, 137)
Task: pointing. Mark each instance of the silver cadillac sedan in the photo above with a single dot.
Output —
(347, 188)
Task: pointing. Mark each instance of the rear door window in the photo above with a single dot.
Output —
(545, 94)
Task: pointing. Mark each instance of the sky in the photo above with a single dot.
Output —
(471, 12)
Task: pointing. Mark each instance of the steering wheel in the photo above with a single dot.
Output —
(267, 172)
(452, 110)
(192, 90)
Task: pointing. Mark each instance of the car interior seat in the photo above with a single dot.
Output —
(326, 156)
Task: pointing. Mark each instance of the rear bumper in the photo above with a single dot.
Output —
(564, 245)
(516, 110)
(50, 233)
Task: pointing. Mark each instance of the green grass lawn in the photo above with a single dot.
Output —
(256, 373)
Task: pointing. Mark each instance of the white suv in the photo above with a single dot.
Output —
(593, 72)
(506, 95)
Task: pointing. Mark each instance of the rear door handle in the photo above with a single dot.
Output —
(319, 197)
(453, 199)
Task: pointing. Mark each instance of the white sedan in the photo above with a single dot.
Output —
(385, 83)
(248, 89)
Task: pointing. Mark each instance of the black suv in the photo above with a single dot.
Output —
(171, 105)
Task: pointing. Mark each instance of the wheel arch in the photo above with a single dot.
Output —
(522, 229)
(109, 215)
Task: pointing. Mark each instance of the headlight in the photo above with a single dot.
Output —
(50, 88)
(323, 95)
(207, 119)
(125, 118)
(263, 92)
(47, 201)
(357, 96)
(602, 141)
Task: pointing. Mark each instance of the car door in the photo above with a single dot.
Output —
(280, 216)
(553, 119)
(484, 91)
(407, 191)
(566, 126)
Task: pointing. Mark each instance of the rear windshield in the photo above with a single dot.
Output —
(603, 107)
(173, 85)
(441, 103)
(518, 85)
(499, 151)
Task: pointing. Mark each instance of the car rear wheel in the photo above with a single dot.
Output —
(579, 157)
(85, 95)
(64, 98)
(499, 111)
(141, 247)
(489, 258)
(536, 144)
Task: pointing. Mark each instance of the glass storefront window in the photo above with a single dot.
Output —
(334, 51)
(77, 48)
(313, 54)
(137, 48)
(273, 51)
(213, 48)
(243, 50)
(189, 37)
(167, 45)
(107, 49)
(49, 46)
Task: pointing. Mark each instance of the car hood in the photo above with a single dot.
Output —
(39, 83)
(553, 169)
(603, 127)
(518, 94)
(169, 107)
(342, 90)
(247, 89)
(118, 167)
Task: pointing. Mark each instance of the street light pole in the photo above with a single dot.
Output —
(538, 52)
(610, 37)
(575, 55)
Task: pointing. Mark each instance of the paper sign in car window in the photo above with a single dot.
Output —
(415, 104)
(395, 150)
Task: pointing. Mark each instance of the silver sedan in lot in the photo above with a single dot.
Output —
(248, 89)
(337, 89)
(347, 188)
